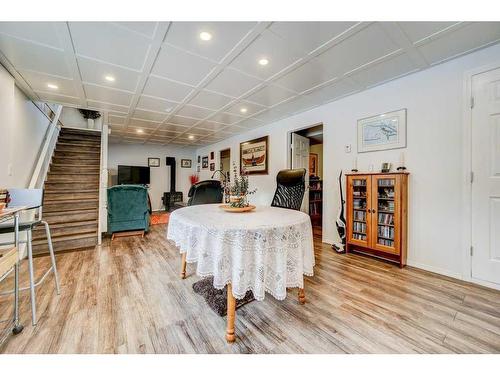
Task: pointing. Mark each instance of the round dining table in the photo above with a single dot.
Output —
(266, 250)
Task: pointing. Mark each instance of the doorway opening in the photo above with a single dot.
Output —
(306, 151)
(225, 162)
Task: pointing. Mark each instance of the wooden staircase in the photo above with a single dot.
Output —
(71, 200)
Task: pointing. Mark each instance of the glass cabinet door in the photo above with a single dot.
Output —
(359, 225)
(385, 213)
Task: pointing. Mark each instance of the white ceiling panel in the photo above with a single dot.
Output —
(108, 42)
(245, 109)
(107, 106)
(156, 104)
(331, 92)
(116, 120)
(145, 28)
(211, 125)
(247, 124)
(233, 83)
(194, 68)
(166, 133)
(194, 112)
(279, 53)
(226, 118)
(138, 123)
(363, 47)
(104, 94)
(29, 56)
(210, 100)
(199, 131)
(305, 77)
(39, 82)
(461, 41)
(38, 32)
(95, 72)
(416, 31)
(225, 35)
(61, 99)
(307, 36)
(270, 95)
(165, 89)
(174, 127)
(149, 115)
(181, 120)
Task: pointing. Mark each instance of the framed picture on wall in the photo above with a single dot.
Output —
(185, 163)
(204, 162)
(153, 162)
(212, 167)
(382, 132)
(254, 156)
(212, 155)
(199, 159)
(313, 164)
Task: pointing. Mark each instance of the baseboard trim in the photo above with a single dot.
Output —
(437, 270)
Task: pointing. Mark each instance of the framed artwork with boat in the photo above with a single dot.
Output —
(254, 156)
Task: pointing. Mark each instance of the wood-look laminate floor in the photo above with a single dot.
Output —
(127, 297)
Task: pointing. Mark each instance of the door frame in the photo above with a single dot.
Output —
(467, 173)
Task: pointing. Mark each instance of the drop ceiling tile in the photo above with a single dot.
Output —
(38, 32)
(225, 35)
(305, 77)
(108, 42)
(199, 131)
(251, 108)
(194, 112)
(39, 81)
(104, 94)
(29, 56)
(361, 48)
(145, 28)
(116, 120)
(308, 36)
(211, 125)
(226, 118)
(233, 83)
(461, 41)
(143, 123)
(107, 106)
(165, 89)
(268, 45)
(385, 70)
(166, 133)
(174, 127)
(416, 31)
(94, 72)
(59, 99)
(247, 124)
(210, 100)
(270, 95)
(133, 131)
(232, 130)
(155, 104)
(181, 120)
(331, 92)
(149, 115)
(170, 59)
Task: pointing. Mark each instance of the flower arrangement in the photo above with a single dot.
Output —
(239, 189)
(194, 178)
(89, 114)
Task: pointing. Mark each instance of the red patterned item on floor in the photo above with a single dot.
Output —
(159, 218)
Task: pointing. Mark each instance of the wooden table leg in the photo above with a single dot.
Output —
(183, 266)
(302, 296)
(231, 314)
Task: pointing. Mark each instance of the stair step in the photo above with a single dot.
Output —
(66, 229)
(71, 216)
(77, 154)
(70, 205)
(78, 161)
(77, 140)
(65, 147)
(71, 242)
(58, 167)
(58, 196)
(80, 132)
(79, 143)
(72, 177)
(75, 186)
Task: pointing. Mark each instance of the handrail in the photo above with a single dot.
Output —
(103, 183)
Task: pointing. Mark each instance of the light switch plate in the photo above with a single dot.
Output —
(347, 149)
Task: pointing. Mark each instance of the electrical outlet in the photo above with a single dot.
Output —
(347, 149)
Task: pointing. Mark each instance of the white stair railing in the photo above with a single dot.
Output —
(103, 184)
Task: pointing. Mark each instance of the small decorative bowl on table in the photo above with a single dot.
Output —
(229, 208)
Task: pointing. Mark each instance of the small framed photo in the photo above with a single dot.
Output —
(204, 162)
(212, 155)
(382, 132)
(212, 167)
(199, 159)
(153, 162)
(185, 163)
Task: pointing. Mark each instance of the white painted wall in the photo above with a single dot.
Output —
(22, 130)
(122, 154)
(435, 103)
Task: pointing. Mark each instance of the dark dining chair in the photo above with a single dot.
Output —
(205, 192)
(291, 185)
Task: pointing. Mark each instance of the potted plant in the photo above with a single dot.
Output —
(90, 116)
(239, 189)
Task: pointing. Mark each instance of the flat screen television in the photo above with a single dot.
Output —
(133, 175)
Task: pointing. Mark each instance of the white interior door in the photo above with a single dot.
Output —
(486, 178)
(300, 159)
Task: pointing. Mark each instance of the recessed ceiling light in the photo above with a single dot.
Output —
(263, 61)
(109, 78)
(139, 131)
(205, 36)
(243, 110)
(52, 86)
(191, 137)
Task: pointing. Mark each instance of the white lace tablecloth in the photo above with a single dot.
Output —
(265, 250)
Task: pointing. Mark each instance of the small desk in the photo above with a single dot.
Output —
(7, 214)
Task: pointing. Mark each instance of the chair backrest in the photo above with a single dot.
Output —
(205, 192)
(127, 202)
(291, 185)
(31, 198)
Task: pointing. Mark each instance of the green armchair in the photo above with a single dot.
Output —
(128, 208)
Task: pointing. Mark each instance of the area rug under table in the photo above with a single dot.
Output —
(217, 298)
(159, 218)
